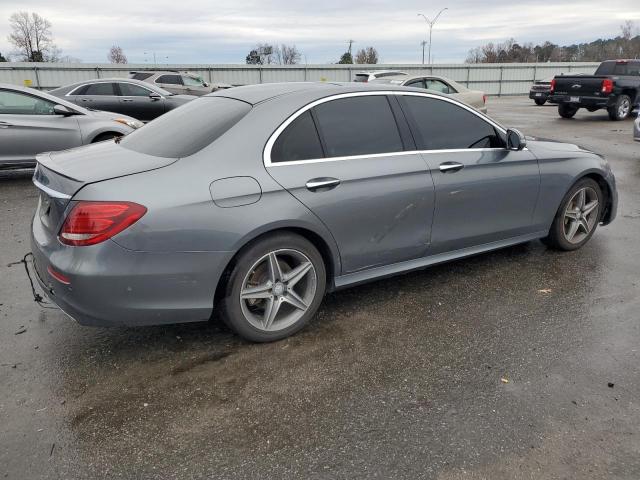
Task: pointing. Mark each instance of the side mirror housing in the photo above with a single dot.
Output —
(155, 96)
(515, 140)
(62, 110)
(205, 84)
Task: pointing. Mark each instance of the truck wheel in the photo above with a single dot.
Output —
(540, 101)
(621, 109)
(567, 111)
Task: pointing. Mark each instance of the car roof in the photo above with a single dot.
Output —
(378, 72)
(67, 88)
(254, 94)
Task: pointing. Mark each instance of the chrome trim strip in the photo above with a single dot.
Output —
(49, 191)
(266, 156)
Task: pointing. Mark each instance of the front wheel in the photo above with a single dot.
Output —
(540, 101)
(566, 110)
(275, 288)
(621, 109)
(578, 216)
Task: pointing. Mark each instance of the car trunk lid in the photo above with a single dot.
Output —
(578, 85)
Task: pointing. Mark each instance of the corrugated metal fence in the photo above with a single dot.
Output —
(494, 79)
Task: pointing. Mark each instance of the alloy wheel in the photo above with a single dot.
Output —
(581, 215)
(278, 290)
(623, 108)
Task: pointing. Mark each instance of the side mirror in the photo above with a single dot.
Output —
(62, 110)
(205, 84)
(155, 96)
(515, 140)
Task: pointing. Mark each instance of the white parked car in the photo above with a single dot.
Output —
(369, 76)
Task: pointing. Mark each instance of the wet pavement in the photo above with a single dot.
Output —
(522, 363)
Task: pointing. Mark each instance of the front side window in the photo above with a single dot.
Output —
(299, 141)
(169, 79)
(131, 90)
(17, 103)
(141, 75)
(442, 125)
(358, 126)
(100, 89)
(191, 82)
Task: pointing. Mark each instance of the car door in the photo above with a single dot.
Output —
(484, 192)
(28, 126)
(194, 86)
(98, 96)
(346, 160)
(171, 82)
(138, 102)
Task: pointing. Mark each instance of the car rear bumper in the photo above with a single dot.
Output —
(584, 102)
(112, 286)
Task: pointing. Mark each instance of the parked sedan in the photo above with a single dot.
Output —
(446, 86)
(129, 97)
(32, 122)
(365, 77)
(176, 82)
(256, 201)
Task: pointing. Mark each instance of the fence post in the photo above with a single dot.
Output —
(97, 72)
(468, 75)
(500, 84)
(35, 70)
(535, 73)
(260, 73)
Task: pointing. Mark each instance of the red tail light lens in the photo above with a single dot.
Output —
(552, 88)
(89, 223)
(607, 85)
(484, 99)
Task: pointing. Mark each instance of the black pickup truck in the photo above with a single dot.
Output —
(615, 86)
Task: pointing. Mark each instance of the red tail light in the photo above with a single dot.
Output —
(89, 223)
(552, 88)
(607, 85)
(484, 99)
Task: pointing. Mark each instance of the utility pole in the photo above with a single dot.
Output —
(423, 43)
(350, 43)
(431, 23)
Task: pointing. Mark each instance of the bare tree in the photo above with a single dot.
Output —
(367, 55)
(31, 36)
(287, 54)
(116, 55)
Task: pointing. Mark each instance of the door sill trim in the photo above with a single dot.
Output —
(376, 273)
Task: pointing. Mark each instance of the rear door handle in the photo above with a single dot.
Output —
(322, 183)
(450, 167)
(127, 99)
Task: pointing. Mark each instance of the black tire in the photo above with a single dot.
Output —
(557, 238)
(105, 136)
(566, 110)
(621, 109)
(540, 101)
(232, 304)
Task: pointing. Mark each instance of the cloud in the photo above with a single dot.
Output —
(201, 31)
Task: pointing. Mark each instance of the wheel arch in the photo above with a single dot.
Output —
(329, 255)
(606, 189)
(96, 137)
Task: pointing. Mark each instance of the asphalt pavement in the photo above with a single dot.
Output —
(517, 364)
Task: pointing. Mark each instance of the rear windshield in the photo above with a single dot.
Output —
(615, 68)
(361, 78)
(187, 129)
(140, 76)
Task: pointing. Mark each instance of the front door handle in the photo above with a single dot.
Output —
(322, 183)
(450, 167)
(127, 99)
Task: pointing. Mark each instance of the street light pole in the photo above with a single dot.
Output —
(423, 43)
(431, 23)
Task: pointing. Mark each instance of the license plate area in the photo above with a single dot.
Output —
(538, 94)
(574, 99)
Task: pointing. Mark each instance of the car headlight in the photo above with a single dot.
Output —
(129, 123)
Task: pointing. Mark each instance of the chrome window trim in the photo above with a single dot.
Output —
(108, 81)
(266, 156)
(50, 191)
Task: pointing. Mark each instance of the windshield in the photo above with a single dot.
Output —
(187, 129)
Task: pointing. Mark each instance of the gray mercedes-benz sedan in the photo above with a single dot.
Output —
(255, 201)
(32, 122)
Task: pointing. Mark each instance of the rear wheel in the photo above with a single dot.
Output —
(578, 216)
(621, 109)
(566, 110)
(275, 288)
(540, 101)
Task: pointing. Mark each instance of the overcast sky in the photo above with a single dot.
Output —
(223, 31)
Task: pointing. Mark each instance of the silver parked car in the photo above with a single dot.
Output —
(446, 86)
(32, 122)
(636, 129)
(177, 82)
(129, 97)
(255, 201)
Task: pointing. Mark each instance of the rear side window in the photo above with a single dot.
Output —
(358, 126)
(619, 68)
(141, 75)
(299, 141)
(361, 78)
(169, 79)
(441, 125)
(100, 89)
(131, 90)
(187, 129)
